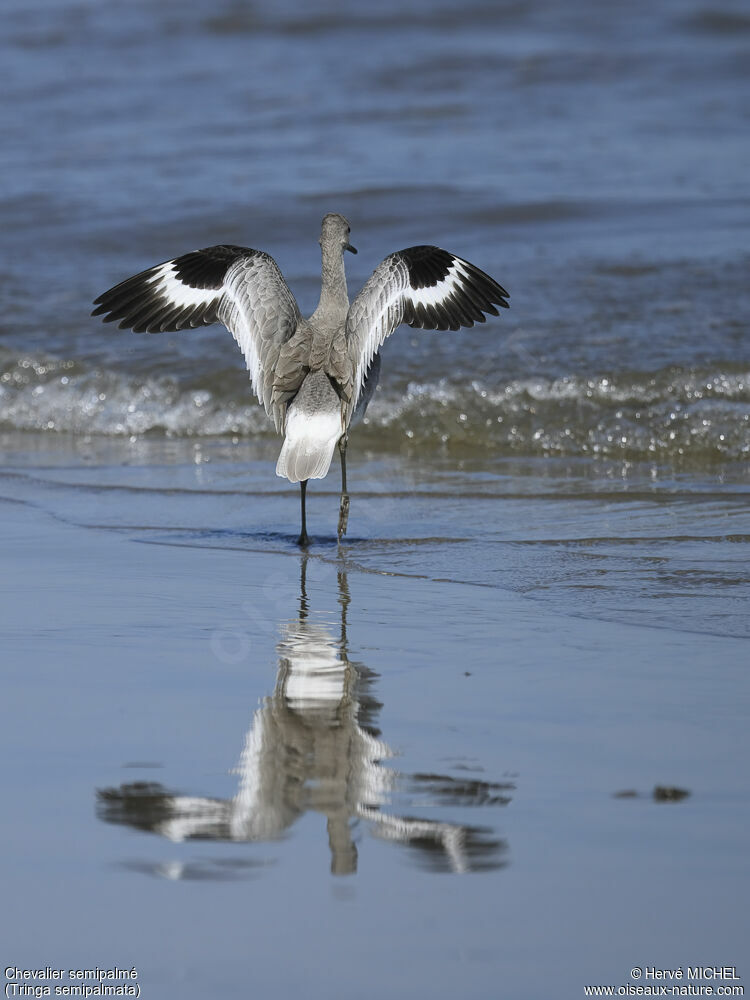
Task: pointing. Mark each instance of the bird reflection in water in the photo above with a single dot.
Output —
(313, 745)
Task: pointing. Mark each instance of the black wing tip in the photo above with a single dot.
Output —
(107, 317)
(480, 292)
(142, 308)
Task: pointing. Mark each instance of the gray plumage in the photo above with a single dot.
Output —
(314, 376)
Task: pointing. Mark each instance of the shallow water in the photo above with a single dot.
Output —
(626, 542)
(209, 724)
(428, 761)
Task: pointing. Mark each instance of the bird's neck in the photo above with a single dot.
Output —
(334, 300)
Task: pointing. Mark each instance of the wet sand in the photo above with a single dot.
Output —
(201, 725)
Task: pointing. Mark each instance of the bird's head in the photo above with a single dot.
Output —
(334, 233)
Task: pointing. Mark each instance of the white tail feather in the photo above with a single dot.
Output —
(308, 444)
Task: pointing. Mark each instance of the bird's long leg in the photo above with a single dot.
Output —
(303, 539)
(344, 506)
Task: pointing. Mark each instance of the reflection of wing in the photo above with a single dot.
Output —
(445, 846)
(305, 750)
(152, 807)
(311, 746)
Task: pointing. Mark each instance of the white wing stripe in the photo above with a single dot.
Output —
(450, 293)
(246, 292)
(165, 282)
(434, 295)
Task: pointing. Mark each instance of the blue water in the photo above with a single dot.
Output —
(542, 601)
(177, 805)
(594, 161)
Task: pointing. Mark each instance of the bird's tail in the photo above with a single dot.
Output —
(312, 430)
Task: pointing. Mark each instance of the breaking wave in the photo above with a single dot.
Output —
(686, 413)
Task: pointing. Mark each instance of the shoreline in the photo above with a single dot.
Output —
(462, 729)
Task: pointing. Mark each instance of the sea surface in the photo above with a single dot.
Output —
(494, 744)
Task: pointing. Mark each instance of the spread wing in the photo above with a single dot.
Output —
(239, 287)
(425, 287)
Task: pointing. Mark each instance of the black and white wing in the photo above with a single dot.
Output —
(239, 287)
(425, 287)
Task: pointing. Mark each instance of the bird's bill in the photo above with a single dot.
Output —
(350, 248)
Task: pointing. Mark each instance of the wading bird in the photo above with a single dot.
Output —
(314, 376)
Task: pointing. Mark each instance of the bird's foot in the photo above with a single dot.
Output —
(303, 541)
(343, 515)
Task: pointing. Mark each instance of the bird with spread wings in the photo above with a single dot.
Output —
(315, 376)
